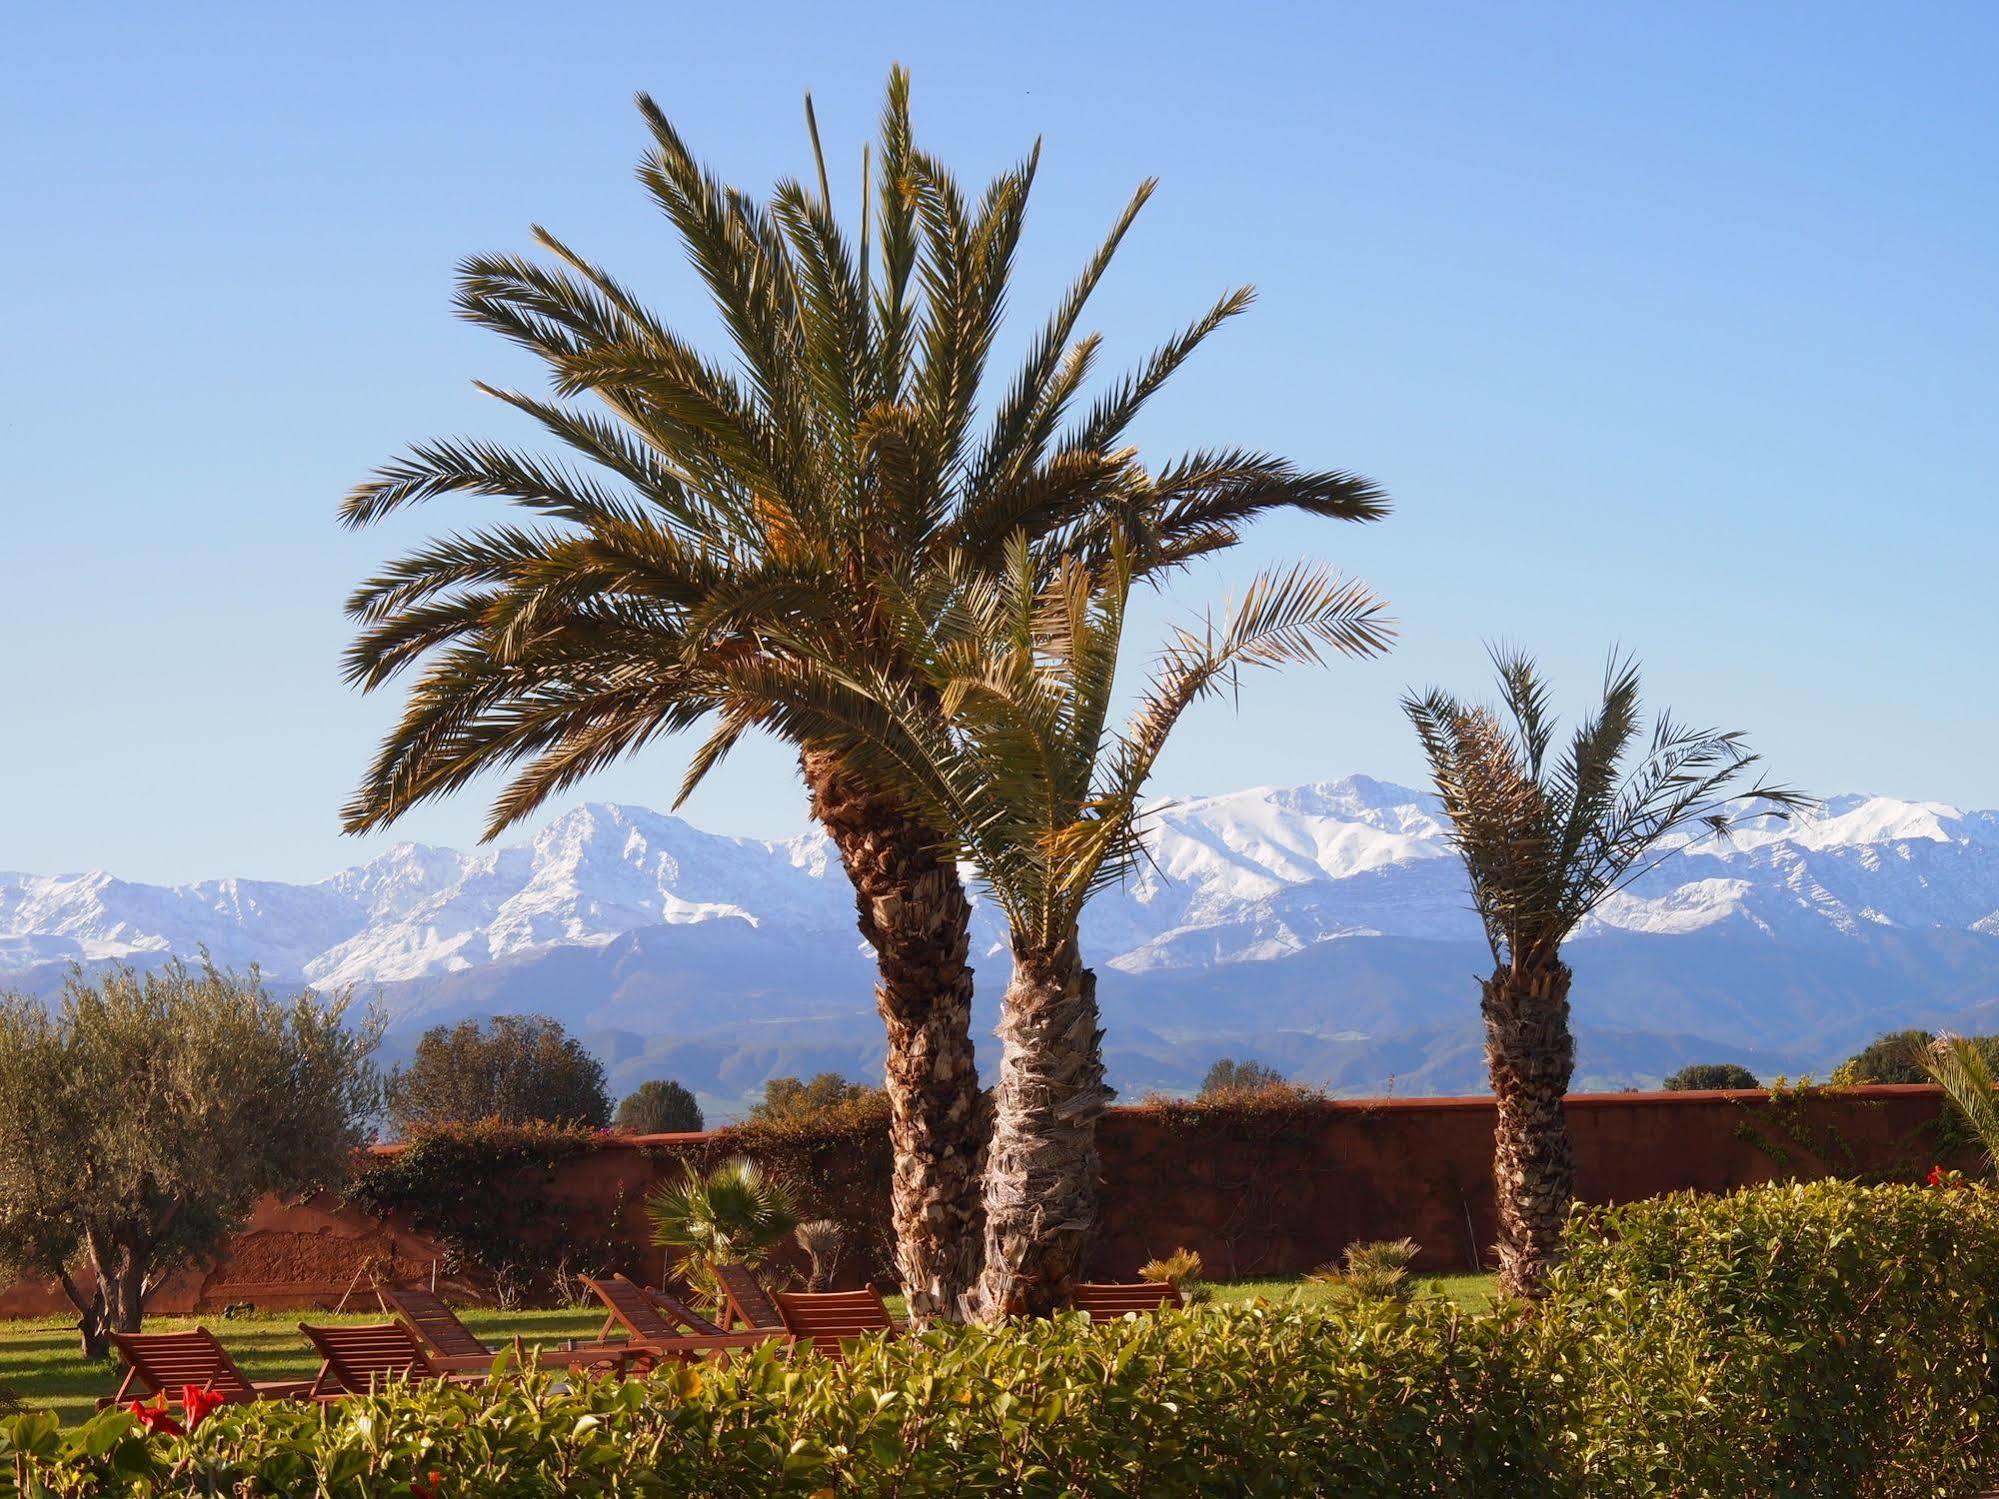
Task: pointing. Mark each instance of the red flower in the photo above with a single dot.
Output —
(432, 1490)
(199, 1403)
(157, 1417)
(1936, 1176)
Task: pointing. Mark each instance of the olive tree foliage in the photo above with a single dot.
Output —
(1230, 1076)
(518, 1069)
(143, 1114)
(1699, 1076)
(791, 1100)
(660, 1107)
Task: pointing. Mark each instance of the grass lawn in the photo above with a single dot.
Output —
(40, 1364)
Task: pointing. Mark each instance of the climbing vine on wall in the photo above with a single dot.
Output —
(481, 1190)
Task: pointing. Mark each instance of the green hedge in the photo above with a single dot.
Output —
(1812, 1340)
(1820, 1339)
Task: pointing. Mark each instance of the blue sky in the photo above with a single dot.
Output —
(1671, 326)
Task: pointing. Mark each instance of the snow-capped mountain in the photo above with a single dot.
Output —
(1315, 911)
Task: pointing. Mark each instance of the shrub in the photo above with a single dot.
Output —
(1377, 1270)
(788, 1100)
(822, 1239)
(1814, 1340)
(1705, 1075)
(1818, 1338)
(659, 1107)
(518, 1069)
(1243, 1400)
(1184, 1272)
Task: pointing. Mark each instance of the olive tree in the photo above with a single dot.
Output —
(518, 1069)
(143, 1114)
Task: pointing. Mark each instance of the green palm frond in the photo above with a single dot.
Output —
(1546, 843)
(1957, 1065)
(819, 510)
(1018, 768)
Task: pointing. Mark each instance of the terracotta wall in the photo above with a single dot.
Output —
(1279, 1195)
(1273, 1191)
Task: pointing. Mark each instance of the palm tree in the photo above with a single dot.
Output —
(1545, 843)
(705, 505)
(1017, 768)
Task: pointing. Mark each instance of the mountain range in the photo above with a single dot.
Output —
(1325, 929)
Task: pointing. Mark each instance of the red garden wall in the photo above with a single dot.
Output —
(1271, 1189)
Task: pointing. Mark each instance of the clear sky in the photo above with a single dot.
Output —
(1674, 326)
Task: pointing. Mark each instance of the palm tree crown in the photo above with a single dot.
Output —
(705, 502)
(1546, 841)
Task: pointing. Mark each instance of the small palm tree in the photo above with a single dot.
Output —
(733, 1215)
(1017, 769)
(708, 506)
(1545, 842)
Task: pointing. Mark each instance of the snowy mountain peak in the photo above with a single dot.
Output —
(1234, 878)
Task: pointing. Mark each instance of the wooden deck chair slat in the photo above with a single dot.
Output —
(749, 1302)
(435, 1323)
(362, 1358)
(455, 1349)
(632, 1308)
(163, 1362)
(679, 1312)
(830, 1317)
(1106, 1302)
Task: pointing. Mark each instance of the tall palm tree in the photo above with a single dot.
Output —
(704, 506)
(1005, 746)
(1545, 843)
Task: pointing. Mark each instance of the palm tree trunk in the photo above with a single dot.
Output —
(1043, 1173)
(1531, 1055)
(912, 910)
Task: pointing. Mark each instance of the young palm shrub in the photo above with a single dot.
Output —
(1020, 774)
(707, 506)
(1377, 1270)
(1545, 842)
(1183, 1271)
(733, 1215)
(822, 1239)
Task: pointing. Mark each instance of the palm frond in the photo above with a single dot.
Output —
(1545, 844)
(1957, 1065)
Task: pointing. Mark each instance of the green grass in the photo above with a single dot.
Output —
(40, 1363)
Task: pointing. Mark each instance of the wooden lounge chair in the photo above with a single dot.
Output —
(453, 1348)
(828, 1318)
(1107, 1302)
(631, 1307)
(164, 1363)
(749, 1303)
(360, 1358)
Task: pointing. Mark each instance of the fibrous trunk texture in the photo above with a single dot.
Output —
(1042, 1173)
(1531, 1054)
(913, 911)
